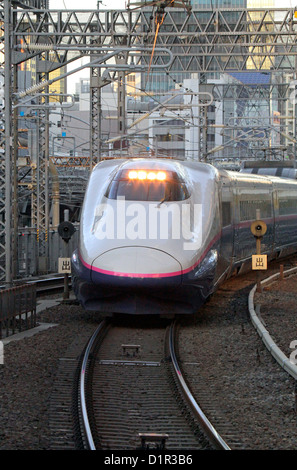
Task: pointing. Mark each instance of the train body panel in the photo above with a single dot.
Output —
(158, 236)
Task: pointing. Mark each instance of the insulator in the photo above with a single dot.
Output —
(37, 47)
(33, 89)
(41, 47)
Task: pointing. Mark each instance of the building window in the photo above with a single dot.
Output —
(85, 86)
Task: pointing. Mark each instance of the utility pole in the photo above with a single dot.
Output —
(8, 143)
(95, 115)
(121, 104)
(95, 108)
(15, 183)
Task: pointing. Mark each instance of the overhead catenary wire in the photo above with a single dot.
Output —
(158, 24)
(160, 15)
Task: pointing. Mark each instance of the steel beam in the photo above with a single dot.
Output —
(202, 41)
(6, 155)
(238, 39)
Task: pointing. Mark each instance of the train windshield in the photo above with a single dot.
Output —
(148, 185)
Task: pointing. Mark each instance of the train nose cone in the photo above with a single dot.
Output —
(138, 262)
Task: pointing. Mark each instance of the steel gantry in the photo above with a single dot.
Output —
(202, 41)
(224, 39)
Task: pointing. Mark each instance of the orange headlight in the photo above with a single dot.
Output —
(147, 175)
(151, 176)
(133, 175)
(141, 175)
(161, 176)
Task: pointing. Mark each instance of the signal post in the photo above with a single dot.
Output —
(66, 229)
(259, 261)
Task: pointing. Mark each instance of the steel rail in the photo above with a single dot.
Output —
(83, 384)
(46, 285)
(209, 429)
(43, 285)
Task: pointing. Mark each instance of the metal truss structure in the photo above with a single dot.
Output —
(223, 39)
(252, 93)
(6, 147)
(202, 42)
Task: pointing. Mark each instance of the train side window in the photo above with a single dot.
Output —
(226, 213)
(287, 206)
(248, 209)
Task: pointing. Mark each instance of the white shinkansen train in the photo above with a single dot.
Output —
(158, 236)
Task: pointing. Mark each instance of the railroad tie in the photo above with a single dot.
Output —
(159, 440)
(130, 349)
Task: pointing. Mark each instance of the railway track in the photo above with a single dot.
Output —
(49, 285)
(44, 285)
(133, 394)
(136, 399)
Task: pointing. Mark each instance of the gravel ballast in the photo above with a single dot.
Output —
(220, 346)
(28, 377)
(253, 394)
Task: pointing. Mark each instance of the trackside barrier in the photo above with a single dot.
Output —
(17, 309)
(275, 351)
(28, 251)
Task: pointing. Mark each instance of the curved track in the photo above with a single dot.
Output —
(130, 393)
(214, 437)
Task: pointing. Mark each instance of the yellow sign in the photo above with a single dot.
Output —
(259, 262)
(64, 266)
